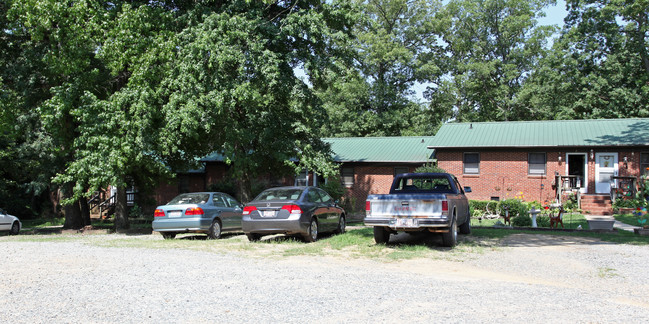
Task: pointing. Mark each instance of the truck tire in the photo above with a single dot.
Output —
(381, 235)
(466, 227)
(450, 239)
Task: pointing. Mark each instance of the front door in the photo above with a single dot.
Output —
(577, 167)
(605, 168)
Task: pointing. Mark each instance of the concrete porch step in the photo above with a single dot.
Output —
(597, 204)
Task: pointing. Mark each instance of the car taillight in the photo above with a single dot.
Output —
(249, 209)
(444, 206)
(194, 211)
(158, 213)
(368, 206)
(293, 209)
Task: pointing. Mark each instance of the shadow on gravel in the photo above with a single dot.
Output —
(430, 240)
(281, 238)
(203, 237)
(538, 240)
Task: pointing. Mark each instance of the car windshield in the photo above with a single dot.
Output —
(280, 194)
(190, 198)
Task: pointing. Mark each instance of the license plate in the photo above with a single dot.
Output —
(175, 213)
(406, 222)
(267, 213)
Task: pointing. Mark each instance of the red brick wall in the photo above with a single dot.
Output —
(504, 174)
(371, 179)
(168, 190)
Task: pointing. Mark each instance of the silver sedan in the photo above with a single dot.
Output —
(198, 212)
(9, 223)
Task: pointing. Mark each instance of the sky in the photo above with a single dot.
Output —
(555, 14)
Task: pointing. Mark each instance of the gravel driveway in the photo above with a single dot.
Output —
(528, 278)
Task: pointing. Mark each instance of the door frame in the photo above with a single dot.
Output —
(584, 188)
(615, 167)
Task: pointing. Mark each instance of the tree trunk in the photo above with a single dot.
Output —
(72, 211)
(244, 189)
(121, 212)
(85, 211)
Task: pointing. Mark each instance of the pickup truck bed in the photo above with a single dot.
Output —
(432, 202)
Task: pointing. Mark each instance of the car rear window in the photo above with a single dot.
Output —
(424, 184)
(190, 198)
(280, 194)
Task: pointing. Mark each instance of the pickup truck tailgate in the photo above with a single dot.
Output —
(405, 205)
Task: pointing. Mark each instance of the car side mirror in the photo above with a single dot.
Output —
(467, 189)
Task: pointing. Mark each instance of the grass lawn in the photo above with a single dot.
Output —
(356, 243)
(630, 219)
(96, 223)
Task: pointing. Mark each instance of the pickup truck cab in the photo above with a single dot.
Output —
(431, 202)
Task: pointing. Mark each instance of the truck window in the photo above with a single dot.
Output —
(425, 184)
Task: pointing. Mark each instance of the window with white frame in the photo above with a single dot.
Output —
(536, 163)
(471, 163)
(347, 174)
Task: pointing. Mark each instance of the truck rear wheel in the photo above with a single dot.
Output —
(466, 227)
(381, 235)
(450, 239)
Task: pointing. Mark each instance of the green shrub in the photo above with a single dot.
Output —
(429, 168)
(334, 187)
(514, 206)
(480, 205)
(135, 211)
(543, 221)
(522, 221)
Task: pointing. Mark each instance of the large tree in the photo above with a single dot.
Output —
(50, 56)
(599, 67)
(492, 46)
(371, 89)
(191, 79)
(232, 84)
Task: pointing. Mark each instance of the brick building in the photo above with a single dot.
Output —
(368, 164)
(501, 160)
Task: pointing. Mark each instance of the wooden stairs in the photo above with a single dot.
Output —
(596, 204)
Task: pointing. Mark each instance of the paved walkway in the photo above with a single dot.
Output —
(617, 224)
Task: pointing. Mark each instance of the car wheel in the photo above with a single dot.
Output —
(15, 228)
(312, 235)
(253, 237)
(466, 227)
(450, 239)
(215, 230)
(381, 235)
(168, 235)
(341, 225)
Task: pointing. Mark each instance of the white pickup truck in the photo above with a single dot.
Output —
(432, 202)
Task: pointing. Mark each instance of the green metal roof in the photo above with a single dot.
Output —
(547, 133)
(381, 149)
(214, 157)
